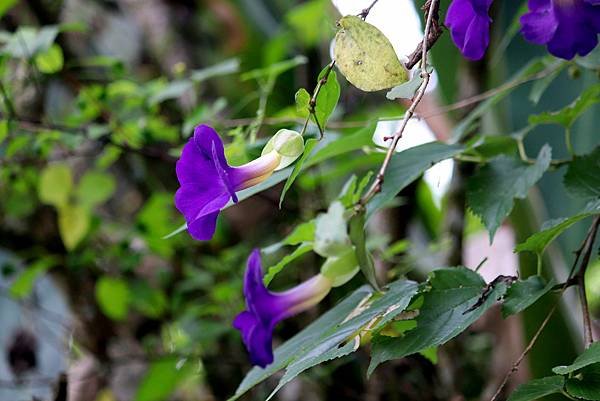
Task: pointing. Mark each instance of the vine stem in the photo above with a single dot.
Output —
(586, 250)
(378, 182)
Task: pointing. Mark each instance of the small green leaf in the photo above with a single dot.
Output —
(274, 69)
(94, 188)
(586, 383)
(538, 388)
(328, 97)
(588, 357)
(583, 175)
(23, 284)
(359, 240)
(113, 297)
(275, 269)
(73, 224)
(226, 67)
(538, 242)
(302, 99)
(152, 302)
(524, 293)
(51, 60)
(366, 57)
(408, 89)
(491, 190)
(568, 115)
(288, 144)
(162, 379)
(173, 90)
(308, 147)
(55, 185)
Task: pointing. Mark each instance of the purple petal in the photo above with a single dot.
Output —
(539, 25)
(469, 25)
(256, 337)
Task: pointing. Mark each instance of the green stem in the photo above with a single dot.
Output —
(568, 142)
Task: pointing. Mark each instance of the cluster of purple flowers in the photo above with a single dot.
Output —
(566, 27)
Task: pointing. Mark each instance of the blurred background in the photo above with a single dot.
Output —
(98, 96)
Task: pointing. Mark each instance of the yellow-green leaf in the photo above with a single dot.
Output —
(51, 60)
(55, 185)
(366, 57)
(95, 188)
(73, 224)
(113, 298)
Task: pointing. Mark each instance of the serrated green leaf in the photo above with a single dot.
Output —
(113, 297)
(51, 60)
(538, 388)
(445, 314)
(277, 268)
(568, 115)
(538, 242)
(55, 185)
(73, 224)
(491, 190)
(94, 188)
(359, 240)
(162, 379)
(586, 384)
(587, 357)
(524, 293)
(328, 97)
(366, 57)
(583, 175)
(407, 166)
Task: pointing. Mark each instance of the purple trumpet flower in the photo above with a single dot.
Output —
(469, 24)
(208, 182)
(264, 309)
(566, 27)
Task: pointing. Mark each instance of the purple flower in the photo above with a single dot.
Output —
(208, 182)
(566, 27)
(469, 24)
(264, 309)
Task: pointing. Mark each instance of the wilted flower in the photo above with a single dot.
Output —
(469, 24)
(566, 27)
(208, 182)
(265, 308)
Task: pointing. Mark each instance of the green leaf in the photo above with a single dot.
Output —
(568, 115)
(55, 185)
(359, 240)
(73, 224)
(331, 231)
(162, 379)
(445, 314)
(51, 60)
(152, 302)
(588, 357)
(274, 69)
(302, 99)
(6, 5)
(3, 130)
(366, 57)
(407, 166)
(491, 190)
(303, 232)
(408, 89)
(524, 293)
(309, 21)
(538, 388)
(343, 144)
(328, 97)
(322, 345)
(275, 269)
(305, 339)
(538, 242)
(94, 188)
(113, 297)
(540, 86)
(173, 90)
(226, 67)
(23, 284)
(308, 147)
(583, 175)
(586, 384)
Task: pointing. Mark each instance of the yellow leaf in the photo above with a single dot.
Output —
(366, 57)
(73, 224)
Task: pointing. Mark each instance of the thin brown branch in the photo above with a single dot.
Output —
(365, 12)
(378, 182)
(430, 35)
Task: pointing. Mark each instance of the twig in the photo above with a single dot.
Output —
(586, 250)
(588, 335)
(430, 36)
(313, 100)
(378, 182)
(365, 12)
